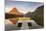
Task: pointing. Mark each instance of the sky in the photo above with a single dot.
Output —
(22, 6)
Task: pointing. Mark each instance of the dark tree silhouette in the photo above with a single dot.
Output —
(7, 15)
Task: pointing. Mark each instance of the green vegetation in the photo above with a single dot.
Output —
(38, 15)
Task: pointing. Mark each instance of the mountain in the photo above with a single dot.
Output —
(38, 15)
(15, 11)
(28, 14)
(13, 14)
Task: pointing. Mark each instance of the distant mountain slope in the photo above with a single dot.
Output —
(38, 15)
(28, 14)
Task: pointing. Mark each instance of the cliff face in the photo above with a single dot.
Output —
(38, 15)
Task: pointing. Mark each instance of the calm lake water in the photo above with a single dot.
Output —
(24, 26)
